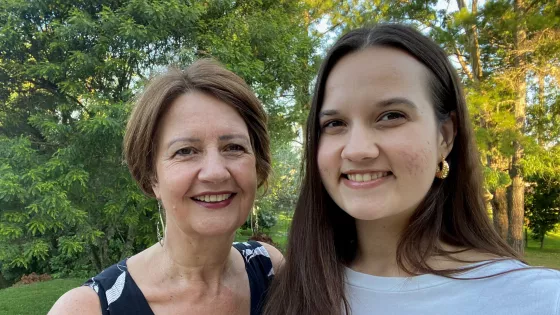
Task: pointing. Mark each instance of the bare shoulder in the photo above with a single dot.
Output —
(275, 256)
(82, 300)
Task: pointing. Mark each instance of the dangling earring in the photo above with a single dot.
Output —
(159, 223)
(443, 170)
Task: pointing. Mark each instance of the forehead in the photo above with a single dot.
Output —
(378, 73)
(200, 114)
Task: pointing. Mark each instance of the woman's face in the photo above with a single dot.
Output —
(380, 143)
(205, 166)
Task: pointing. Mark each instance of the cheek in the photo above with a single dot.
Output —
(416, 157)
(416, 161)
(174, 177)
(325, 160)
(246, 174)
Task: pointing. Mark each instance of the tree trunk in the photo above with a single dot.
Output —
(499, 212)
(542, 241)
(129, 244)
(3, 282)
(541, 108)
(517, 194)
(472, 37)
(94, 257)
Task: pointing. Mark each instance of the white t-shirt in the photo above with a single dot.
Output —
(529, 291)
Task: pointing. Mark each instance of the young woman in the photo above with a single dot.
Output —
(391, 217)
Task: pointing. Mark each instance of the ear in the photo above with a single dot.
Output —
(155, 187)
(447, 133)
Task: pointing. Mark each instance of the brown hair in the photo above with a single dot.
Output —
(323, 239)
(206, 76)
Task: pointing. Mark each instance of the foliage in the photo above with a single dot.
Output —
(68, 71)
(543, 207)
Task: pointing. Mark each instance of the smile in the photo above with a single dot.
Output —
(366, 177)
(213, 197)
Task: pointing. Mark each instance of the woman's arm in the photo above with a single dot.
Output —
(82, 300)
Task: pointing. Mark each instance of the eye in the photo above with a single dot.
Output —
(185, 151)
(333, 124)
(235, 148)
(392, 116)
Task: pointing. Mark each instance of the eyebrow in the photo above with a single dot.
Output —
(197, 140)
(183, 139)
(397, 100)
(383, 103)
(328, 112)
(233, 136)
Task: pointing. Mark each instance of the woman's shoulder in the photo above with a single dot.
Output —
(82, 300)
(261, 251)
(86, 299)
(520, 284)
(514, 269)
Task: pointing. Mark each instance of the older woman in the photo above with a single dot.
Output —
(197, 141)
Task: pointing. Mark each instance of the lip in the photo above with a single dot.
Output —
(204, 193)
(365, 185)
(364, 171)
(214, 205)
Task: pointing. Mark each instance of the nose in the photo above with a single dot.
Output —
(361, 145)
(213, 168)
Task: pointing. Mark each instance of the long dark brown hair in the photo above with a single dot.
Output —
(322, 238)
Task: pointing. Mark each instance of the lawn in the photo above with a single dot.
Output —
(36, 298)
(549, 256)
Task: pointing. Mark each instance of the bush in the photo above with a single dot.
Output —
(266, 220)
(33, 277)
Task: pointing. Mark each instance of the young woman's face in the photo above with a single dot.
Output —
(380, 143)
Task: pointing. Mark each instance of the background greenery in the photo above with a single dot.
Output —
(70, 69)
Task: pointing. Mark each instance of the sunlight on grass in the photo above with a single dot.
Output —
(36, 298)
(549, 256)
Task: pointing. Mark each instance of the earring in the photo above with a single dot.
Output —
(159, 223)
(443, 170)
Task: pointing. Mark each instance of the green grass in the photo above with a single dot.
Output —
(549, 256)
(36, 298)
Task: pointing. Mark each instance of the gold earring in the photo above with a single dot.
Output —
(443, 170)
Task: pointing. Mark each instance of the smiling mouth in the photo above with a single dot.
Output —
(366, 177)
(213, 198)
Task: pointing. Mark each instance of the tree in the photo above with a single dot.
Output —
(543, 207)
(68, 71)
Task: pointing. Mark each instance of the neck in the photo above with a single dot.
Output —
(195, 258)
(377, 246)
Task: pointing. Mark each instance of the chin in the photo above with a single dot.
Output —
(366, 213)
(216, 229)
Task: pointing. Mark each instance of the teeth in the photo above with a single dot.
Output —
(366, 177)
(213, 198)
